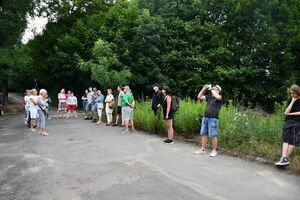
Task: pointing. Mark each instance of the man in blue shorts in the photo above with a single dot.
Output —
(210, 122)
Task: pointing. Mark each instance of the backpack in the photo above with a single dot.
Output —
(175, 104)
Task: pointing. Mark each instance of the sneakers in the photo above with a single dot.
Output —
(133, 131)
(168, 141)
(283, 161)
(200, 151)
(114, 125)
(94, 121)
(213, 153)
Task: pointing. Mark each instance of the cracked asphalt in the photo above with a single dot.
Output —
(80, 160)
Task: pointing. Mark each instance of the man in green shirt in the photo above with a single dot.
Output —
(127, 109)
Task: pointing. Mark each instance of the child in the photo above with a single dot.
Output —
(72, 104)
(290, 134)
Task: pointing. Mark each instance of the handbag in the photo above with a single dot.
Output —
(100, 106)
(111, 104)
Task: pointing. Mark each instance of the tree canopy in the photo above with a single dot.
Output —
(250, 48)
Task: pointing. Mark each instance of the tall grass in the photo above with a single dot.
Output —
(242, 131)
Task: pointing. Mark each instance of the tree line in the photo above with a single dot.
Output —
(249, 47)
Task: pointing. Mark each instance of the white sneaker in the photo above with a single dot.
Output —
(200, 151)
(33, 130)
(213, 153)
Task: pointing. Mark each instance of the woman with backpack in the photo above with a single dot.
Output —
(168, 114)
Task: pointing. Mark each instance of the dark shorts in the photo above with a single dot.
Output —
(171, 115)
(291, 134)
(119, 111)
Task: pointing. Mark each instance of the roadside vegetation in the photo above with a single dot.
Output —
(243, 131)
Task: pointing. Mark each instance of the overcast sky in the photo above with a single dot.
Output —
(34, 27)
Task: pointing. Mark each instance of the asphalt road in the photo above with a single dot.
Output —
(81, 160)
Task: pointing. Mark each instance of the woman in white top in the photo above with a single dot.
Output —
(109, 108)
(33, 108)
(42, 103)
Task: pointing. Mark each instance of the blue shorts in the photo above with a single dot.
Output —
(209, 127)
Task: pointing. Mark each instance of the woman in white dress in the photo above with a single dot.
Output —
(109, 108)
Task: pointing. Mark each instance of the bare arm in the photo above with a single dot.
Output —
(216, 95)
(169, 101)
(294, 113)
(289, 108)
(201, 95)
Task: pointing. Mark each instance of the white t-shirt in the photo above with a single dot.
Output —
(32, 105)
(27, 101)
(90, 96)
(72, 101)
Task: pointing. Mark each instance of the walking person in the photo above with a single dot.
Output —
(62, 103)
(168, 114)
(127, 109)
(42, 103)
(99, 106)
(72, 104)
(157, 98)
(89, 105)
(109, 107)
(119, 111)
(33, 109)
(291, 130)
(210, 122)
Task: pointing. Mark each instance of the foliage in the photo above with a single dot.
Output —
(250, 48)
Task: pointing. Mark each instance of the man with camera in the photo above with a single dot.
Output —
(210, 122)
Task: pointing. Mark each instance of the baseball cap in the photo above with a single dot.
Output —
(126, 87)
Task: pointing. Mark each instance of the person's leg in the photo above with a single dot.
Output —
(170, 129)
(110, 118)
(117, 119)
(204, 133)
(126, 125)
(75, 113)
(215, 143)
(204, 139)
(285, 149)
(68, 115)
(99, 115)
(132, 125)
(290, 150)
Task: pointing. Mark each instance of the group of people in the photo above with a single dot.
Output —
(210, 122)
(94, 102)
(36, 110)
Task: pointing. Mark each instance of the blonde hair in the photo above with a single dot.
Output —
(295, 89)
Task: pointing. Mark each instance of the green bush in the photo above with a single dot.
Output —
(242, 130)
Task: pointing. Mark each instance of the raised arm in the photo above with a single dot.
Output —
(216, 95)
(201, 95)
(289, 108)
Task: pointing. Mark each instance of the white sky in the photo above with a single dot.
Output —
(35, 26)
